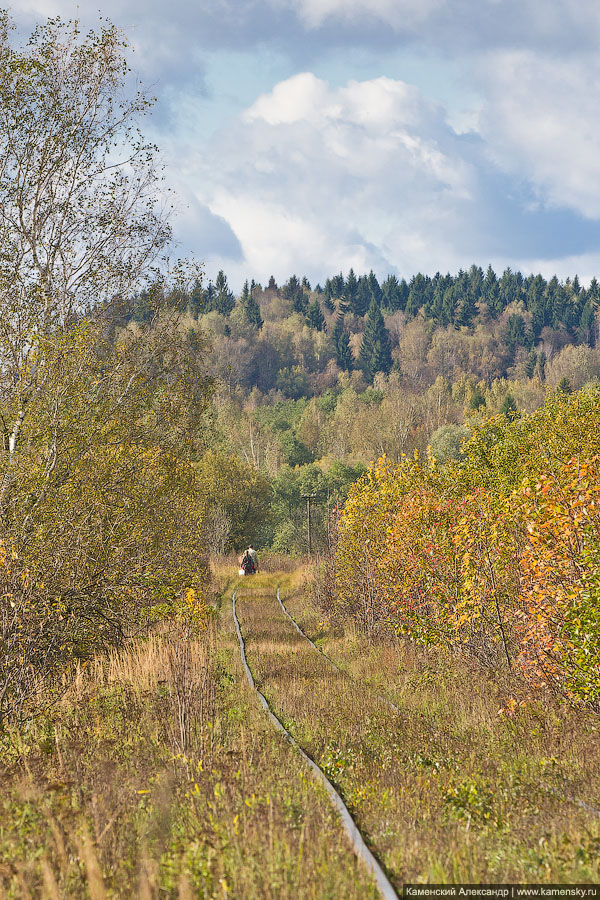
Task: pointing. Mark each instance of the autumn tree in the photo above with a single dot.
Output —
(79, 226)
(99, 512)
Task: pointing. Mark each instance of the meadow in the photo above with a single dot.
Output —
(158, 775)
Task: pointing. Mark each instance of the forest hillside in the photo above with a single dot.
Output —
(311, 385)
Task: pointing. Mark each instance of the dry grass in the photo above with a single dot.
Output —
(98, 800)
(159, 776)
(461, 785)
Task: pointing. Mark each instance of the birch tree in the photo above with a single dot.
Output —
(80, 220)
(100, 516)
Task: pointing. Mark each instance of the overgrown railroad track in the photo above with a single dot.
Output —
(350, 827)
(405, 777)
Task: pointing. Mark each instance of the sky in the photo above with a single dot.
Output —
(311, 136)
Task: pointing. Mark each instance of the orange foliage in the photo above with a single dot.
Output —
(500, 561)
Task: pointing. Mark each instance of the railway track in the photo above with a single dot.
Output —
(357, 841)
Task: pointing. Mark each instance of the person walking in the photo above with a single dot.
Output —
(249, 561)
(253, 556)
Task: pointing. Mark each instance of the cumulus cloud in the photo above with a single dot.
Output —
(314, 177)
(540, 122)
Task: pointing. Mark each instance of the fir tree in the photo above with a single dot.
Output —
(294, 292)
(375, 351)
(541, 364)
(196, 299)
(515, 333)
(314, 316)
(531, 363)
(209, 298)
(374, 287)
(390, 293)
(337, 286)
(363, 297)
(586, 323)
(350, 292)
(509, 407)
(224, 300)
(420, 290)
(251, 307)
(341, 342)
(328, 303)
(564, 386)
(467, 308)
(477, 400)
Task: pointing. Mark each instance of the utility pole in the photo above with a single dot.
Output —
(308, 498)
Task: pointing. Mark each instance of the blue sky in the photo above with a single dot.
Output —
(309, 136)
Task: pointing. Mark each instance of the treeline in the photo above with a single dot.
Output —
(296, 341)
(495, 555)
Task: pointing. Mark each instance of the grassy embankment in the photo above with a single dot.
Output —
(158, 775)
(464, 784)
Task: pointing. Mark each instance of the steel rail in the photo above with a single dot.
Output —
(328, 658)
(357, 841)
(582, 804)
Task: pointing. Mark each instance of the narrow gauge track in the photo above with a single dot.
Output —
(357, 841)
(329, 660)
(582, 804)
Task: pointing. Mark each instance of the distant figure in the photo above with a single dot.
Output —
(249, 562)
(253, 556)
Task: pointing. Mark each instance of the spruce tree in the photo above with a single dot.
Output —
(509, 407)
(341, 342)
(375, 288)
(375, 351)
(390, 291)
(363, 297)
(251, 307)
(209, 298)
(350, 290)
(196, 299)
(224, 300)
(530, 363)
(314, 316)
(337, 286)
(420, 289)
(293, 291)
(586, 323)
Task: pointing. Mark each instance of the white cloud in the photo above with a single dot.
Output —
(313, 178)
(399, 13)
(541, 123)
